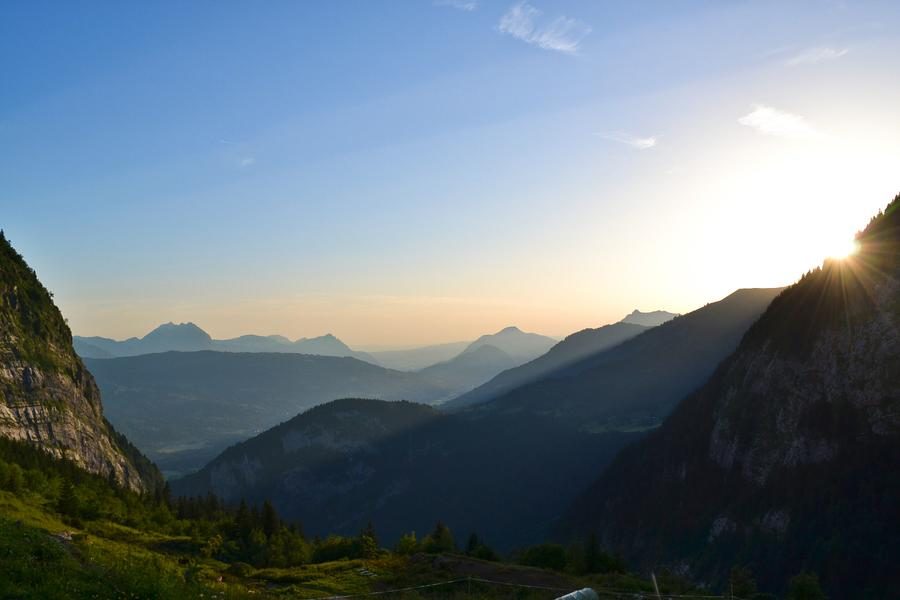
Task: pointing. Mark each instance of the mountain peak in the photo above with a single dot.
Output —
(648, 319)
(510, 329)
(181, 336)
(190, 326)
(515, 342)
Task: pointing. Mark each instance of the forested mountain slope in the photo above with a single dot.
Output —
(183, 408)
(787, 458)
(634, 385)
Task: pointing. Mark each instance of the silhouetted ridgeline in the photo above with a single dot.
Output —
(787, 458)
(634, 385)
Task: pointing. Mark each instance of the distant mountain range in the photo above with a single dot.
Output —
(515, 343)
(414, 359)
(188, 337)
(470, 368)
(574, 348)
(633, 385)
(486, 357)
(503, 468)
(786, 459)
(183, 408)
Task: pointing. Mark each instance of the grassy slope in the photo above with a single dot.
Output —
(43, 557)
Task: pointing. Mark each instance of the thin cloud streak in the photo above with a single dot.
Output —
(816, 55)
(639, 143)
(466, 5)
(562, 34)
(771, 121)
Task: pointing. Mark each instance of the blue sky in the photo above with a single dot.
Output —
(412, 172)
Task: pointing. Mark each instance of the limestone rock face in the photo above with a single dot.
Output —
(47, 397)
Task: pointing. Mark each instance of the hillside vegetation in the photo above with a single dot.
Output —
(65, 533)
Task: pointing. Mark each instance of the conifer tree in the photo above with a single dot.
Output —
(67, 503)
(440, 540)
(270, 521)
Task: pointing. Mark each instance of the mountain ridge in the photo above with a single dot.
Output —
(683, 353)
(183, 408)
(782, 460)
(649, 319)
(516, 343)
(189, 337)
(50, 399)
(573, 348)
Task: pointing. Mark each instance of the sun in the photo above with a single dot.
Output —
(844, 249)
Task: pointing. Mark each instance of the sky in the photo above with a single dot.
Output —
(412, 172)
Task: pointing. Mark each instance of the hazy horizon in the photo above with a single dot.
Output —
(403, 174)
(372, 347)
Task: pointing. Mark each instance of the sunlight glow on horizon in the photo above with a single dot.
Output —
(430, 178)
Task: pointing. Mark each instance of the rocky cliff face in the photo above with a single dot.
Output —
(48, 398)
(786, 459)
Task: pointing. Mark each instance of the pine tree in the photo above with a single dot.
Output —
(270, 521)
(243, 523)
(67, 503)
(440, 540)
(407, 544)
(369, 531)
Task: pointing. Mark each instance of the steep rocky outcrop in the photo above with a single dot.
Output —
(48, 397)
(787, 458)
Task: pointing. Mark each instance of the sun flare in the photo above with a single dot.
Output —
(844, 249)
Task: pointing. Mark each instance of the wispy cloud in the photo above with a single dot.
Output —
(640, 143)
(815, 55)
(562, 34)
(237, 153)
(466, 5)
(772, 121)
